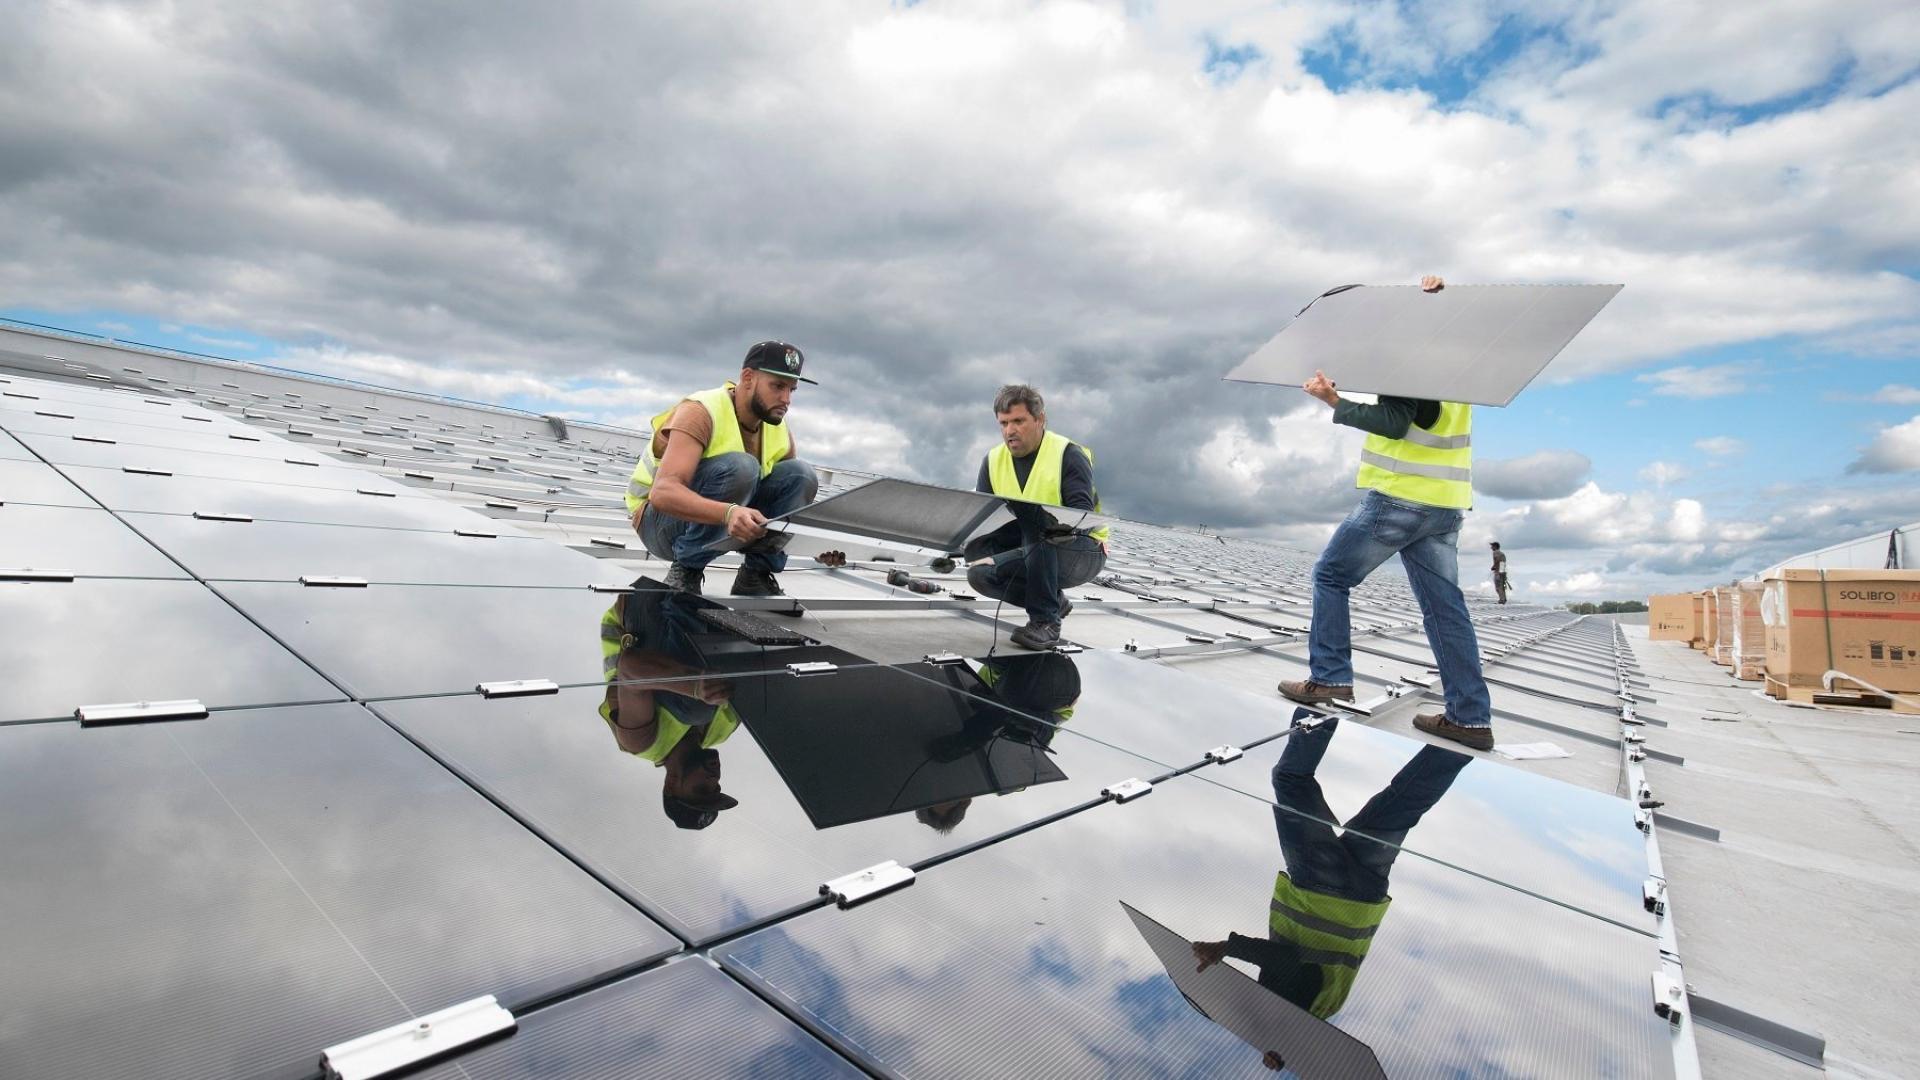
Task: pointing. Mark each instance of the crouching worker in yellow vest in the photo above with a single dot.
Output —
(1417, 469)
(1329, 901)
(663, 709)
(1032, 559)
(721, 463)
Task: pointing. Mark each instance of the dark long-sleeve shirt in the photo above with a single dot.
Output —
(1076, 476)
(1282, 970)
(1391, 417)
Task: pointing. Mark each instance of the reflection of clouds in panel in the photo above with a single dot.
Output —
(954, 958)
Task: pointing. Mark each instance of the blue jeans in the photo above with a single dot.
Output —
(1354, 863)
(1037, 579)
(1427, 540)
(730, 478)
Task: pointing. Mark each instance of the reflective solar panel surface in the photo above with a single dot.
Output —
(625, 837)
(1480, 344)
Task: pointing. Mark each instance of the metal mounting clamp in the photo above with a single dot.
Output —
(28, 573)
(517, 688)
(323, 581)
(477, 534)
(812, 667)
(1653, 893)
(863, 885)
(134, 712)
(410, 1042)
(1669, 998)
(941, 659)
(212, 515)
(1220, 755)
(1127, 790)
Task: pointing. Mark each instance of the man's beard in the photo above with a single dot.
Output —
(765, 413)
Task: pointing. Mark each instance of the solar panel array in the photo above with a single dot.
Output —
(407, 777)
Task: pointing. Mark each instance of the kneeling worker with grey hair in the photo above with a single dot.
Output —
(1030, 560)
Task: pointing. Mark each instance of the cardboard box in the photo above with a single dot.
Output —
(1709, 623)
(1670, 617)
(1723, 618)
(1858, 622)
(1699, 608)
(1749, 632)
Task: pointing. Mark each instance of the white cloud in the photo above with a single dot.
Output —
(1717, 380)
(1583, 583)
(1544, 474)
(1720, 446)
(1662, 473)
(1894, 449)
(1892, 394)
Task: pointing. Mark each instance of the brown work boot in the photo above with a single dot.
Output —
(1308, 692)
(1479, 738)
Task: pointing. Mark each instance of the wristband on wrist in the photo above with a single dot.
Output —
(726, 516)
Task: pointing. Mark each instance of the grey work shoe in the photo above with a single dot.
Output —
(1039, 636)
(1308, 692)
(751, 582)
(1479, 738)
(686, 578)
(1066, 607)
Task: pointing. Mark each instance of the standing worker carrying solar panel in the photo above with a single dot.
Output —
(1417, 469)
(1032, 559)
(719, 464)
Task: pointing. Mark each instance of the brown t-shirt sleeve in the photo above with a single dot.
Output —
(690, 419)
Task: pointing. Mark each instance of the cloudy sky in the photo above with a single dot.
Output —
(590, 208)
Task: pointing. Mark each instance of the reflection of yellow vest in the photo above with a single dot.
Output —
(991, 676)
(775, 442)
(670, 729)
(1432, 466)
(1043, 480)
(1333, 935)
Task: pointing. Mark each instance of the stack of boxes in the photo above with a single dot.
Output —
(1794, 626)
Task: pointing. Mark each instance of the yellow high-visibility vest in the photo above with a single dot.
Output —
(1432, 466)
(1043, 481)
(670, 727)
(775, 442)
(1333, 934)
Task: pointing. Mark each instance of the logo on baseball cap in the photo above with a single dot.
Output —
(777, 358)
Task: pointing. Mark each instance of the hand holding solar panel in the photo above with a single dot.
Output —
(1476, 344)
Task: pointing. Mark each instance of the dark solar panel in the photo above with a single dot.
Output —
(226, 896)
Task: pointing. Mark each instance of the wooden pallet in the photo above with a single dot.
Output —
(1851, 699)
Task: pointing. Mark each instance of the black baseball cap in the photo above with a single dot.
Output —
(776, 358)
(696, 814)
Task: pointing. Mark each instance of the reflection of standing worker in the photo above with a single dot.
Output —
(1034, 556)
(677, 718)
(1499, 571)
(1332, 896)
(718, 465)
(1417, 467)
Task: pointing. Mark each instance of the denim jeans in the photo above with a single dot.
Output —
(1037, 579)
(730, 478)
(1354, 863)
(1427, 540)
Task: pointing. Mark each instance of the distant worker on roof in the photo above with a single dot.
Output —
(1030, 560)
(719, 464)
(1417, 469)
(1499, 571)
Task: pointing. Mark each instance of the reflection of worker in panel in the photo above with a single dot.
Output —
(719, 464)
(675, 721)
(1037, 692)
(1332, 896)
(1499, 571)
(1417, 469)
(1034, 557)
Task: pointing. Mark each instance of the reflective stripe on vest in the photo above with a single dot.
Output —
(1044, 479)
(775, 442)
(1427, 465)
(1332, 933)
